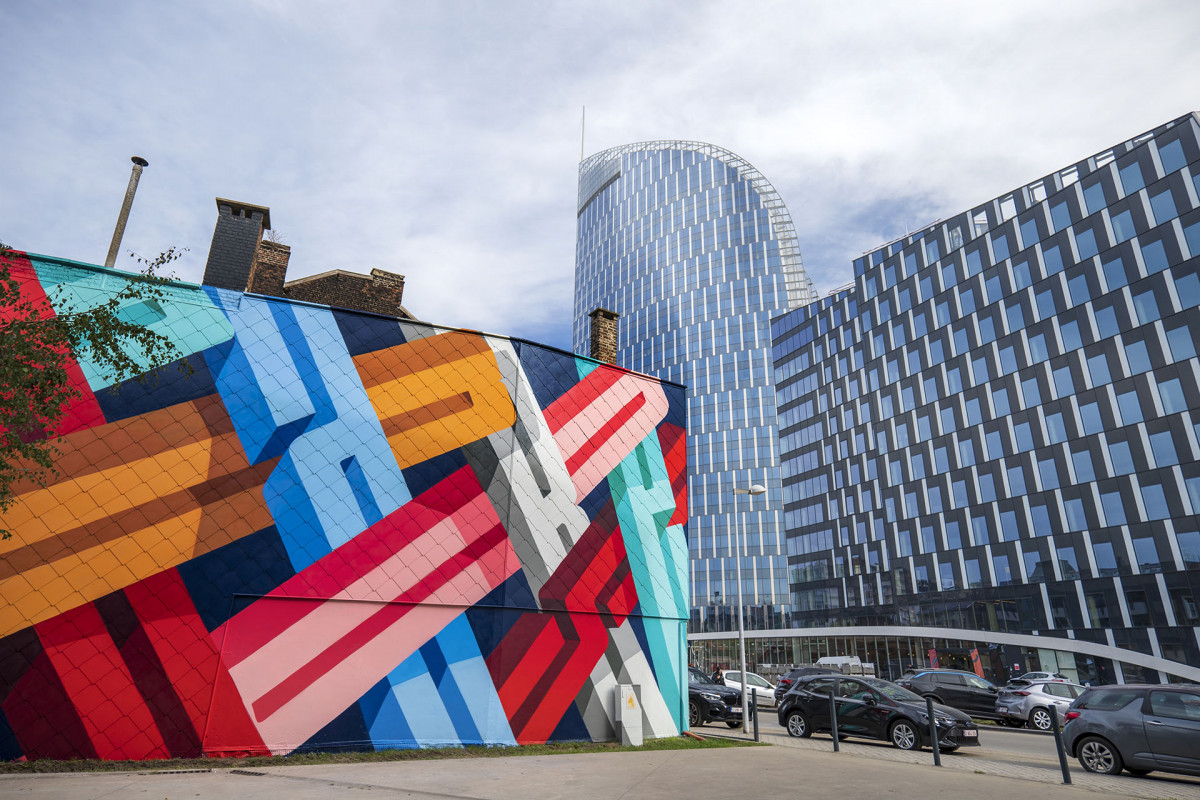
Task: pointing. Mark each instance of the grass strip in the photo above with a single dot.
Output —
(360, 756)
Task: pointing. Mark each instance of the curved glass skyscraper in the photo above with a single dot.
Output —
(695, 250)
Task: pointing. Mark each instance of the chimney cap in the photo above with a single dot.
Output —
(248, 209)
(605, 313)
(141, 162)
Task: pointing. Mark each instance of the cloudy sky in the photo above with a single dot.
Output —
(441, 139)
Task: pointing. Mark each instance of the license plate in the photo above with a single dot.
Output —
(970, 734)
(1001, 709)
(736, 709)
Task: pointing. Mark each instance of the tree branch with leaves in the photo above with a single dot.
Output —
(38, 347)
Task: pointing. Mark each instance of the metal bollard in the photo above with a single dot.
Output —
(933, 733)
(754, 711)
(1058, 743)
(833, 719)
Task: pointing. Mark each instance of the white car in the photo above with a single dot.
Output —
(764, 691)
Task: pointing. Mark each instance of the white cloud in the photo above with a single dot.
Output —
(440, 140)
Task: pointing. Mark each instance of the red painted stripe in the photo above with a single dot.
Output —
(539, 639)
(606, 432)
(191, 662)
(82, 411)
(580, 396)
(95, 677)
(590, 642)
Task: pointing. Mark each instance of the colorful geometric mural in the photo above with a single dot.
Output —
(340, 531)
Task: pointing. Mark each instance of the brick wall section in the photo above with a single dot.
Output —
(235, 243)
(270, 269)
(240, 259)
(380, 292)
(604, 335)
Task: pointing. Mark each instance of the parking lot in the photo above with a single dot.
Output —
(1004, 752)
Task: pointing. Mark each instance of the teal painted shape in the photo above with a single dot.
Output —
(186, 316)
(657, 553)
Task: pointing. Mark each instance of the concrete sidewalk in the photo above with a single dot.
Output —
(760, 772)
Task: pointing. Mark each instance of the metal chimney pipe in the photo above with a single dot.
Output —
(119, 232)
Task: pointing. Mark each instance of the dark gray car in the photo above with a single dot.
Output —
(1138, 728)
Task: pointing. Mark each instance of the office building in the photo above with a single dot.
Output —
(694, 250)
(991, 442)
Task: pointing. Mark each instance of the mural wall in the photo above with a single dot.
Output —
(340, 531)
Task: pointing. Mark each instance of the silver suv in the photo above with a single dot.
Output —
(1139, 728)
(1022, 703)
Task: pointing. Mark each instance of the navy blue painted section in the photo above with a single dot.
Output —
(596, 499)
(160, 388)
(422, 476)
(550, 373)
(571, 728)
(10, 748)
(347, 731)
(364, 334)
(639, 631)
(253, 565)
(491, 625)
(367, 505)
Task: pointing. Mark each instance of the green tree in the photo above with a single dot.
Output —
(37, 346)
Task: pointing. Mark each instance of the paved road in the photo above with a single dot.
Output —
(763, 772)
(1005, 752)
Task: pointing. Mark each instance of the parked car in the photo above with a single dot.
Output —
(872, 708)
(1138, 727)
(1034, 677)
(789, 678)
(1028, 703)
(764, 692)
(708, 702)
(965, 691)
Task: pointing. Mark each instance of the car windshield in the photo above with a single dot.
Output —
(892, 691)
(696, 676)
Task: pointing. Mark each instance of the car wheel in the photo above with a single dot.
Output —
(1097, 755)
(695, 718)
(934, 698)
(904, 735)
(1039, 719)
(797, 725)
(1137, 772)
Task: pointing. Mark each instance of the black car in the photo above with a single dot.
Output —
(872, 708)
(1138, 728)
(787, 680)
(708, 702)
(965, 691)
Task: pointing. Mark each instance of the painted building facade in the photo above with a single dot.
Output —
(992, 440)
(340, 530)
(695, 251)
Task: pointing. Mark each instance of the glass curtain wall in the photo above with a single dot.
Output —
(998, 427)
(694, 249)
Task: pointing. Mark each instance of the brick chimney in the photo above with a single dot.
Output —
(270, 268)
(604, 335)
(235, 244)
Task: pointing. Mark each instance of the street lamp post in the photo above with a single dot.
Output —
(753, 490)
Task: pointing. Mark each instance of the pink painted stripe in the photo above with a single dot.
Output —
(369, 566)
(580, 396)
(313, 705)
(592, 430)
